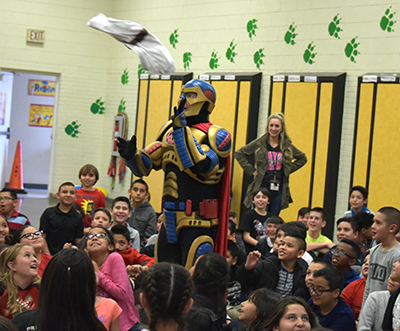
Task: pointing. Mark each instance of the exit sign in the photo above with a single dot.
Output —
(35, 36)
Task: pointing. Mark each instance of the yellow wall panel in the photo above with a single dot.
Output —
(276, 98)
(321, 153)
(141, 113)
(159, 107)
(225, 106)
(300, 105)
(384, 181)
(363, 134)
(240, 140)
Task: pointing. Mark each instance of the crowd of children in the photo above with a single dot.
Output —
(277, 275)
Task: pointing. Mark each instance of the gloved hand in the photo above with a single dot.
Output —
(127, 149)
(179, 117)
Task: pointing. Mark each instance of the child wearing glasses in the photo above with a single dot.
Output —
(30, 236)
(8, 204)
(62, 223)
(332, 311)
(113, 278)
(346, 254)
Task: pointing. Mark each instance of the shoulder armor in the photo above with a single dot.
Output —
(220, 140)
(163, 130)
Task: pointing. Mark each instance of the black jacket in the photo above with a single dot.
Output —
(387, 324)
(266, 274)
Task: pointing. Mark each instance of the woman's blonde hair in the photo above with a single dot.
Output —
(9, 255)
(287, 153)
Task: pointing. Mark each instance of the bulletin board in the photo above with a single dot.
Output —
(313, 109)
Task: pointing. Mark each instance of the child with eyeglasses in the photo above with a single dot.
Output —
(8, 204)
(113, 278)
(30, 236)
(332, 311)
(346, 254)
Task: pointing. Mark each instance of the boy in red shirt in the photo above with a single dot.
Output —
(135, 262)
(88, 197)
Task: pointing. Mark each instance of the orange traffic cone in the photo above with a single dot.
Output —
(16, 181)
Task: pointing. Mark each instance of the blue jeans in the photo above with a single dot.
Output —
(274, 206)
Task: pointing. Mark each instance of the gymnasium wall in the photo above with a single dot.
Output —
(267, 36)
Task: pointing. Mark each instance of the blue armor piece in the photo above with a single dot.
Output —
(220, 137)
(170, 226)
(203, 248)
(213, 158)
(181, 148)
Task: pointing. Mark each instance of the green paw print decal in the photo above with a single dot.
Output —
(125, 77)
(173, 38)
(290, 35)
(351, 50)
(214, 60)
(140, 70)
(386, 20)
(98, 107)
(230, 52)
(309, 54)
(72, 129)
(333, 27)
(187, 58)
(251, 28)
(257, 57)
(121, 107)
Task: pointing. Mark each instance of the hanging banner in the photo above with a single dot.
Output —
(42, 87)
(41, 115)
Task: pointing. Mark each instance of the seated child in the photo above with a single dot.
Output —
(291, 229)
(344, 256)
(303, 215)
(267, 241)
(102, 217)
(364, 222)
(62, 224)
(345, 228)
(232, 235)
(252, 222)
(88, 197)
(282, 274)
(121, 211)
(234, 290)
(391, 319)
(136, 263)
(8, 203)
(354, 292)
(371, 316)
(332, 311)
(143, 217)
(315, 240)
(358, 201)
(233, 217)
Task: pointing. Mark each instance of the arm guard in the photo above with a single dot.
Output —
(145, 160)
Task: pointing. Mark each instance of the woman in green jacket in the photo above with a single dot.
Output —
(275, 158)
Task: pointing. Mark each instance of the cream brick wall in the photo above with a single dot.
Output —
(91, 63)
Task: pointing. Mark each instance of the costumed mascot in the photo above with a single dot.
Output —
(195, 156)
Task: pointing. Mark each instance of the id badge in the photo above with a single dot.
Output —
(274, 185)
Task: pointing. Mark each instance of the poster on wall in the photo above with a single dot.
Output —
(2, 108)
(42, 88)
(41, 115)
